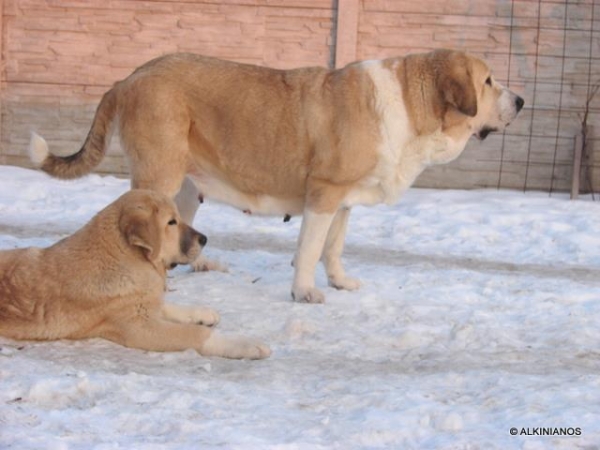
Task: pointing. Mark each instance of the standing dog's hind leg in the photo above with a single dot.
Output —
(188, 200)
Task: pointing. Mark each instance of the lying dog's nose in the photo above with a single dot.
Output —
(202, 239)
(519, 102)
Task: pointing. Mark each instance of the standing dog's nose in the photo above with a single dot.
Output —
(519, 102)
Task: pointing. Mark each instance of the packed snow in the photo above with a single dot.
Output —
(479, 312)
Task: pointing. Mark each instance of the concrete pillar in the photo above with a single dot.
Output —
(346, 32)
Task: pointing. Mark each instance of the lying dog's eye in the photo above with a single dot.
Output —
(488, 81)
(172, 222)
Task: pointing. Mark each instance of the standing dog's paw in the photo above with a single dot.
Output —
(345, 283)
(308, 295)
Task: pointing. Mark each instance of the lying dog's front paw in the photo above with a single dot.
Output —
(191, 314)
(256, 350)
(234, 347)
(205, 316)
(308, 295)
(203, 264)
(345, 283)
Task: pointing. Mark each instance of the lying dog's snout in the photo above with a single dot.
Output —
(519, 102)
(191, 238)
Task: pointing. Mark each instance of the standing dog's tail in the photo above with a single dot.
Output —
(90, 154)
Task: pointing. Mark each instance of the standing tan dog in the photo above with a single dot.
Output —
(309, 141)
(108, 279)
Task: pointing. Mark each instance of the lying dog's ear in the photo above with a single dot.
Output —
(139, 226)
(455, 84)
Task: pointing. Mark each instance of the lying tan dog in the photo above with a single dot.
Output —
(108, 279)
(309, 141)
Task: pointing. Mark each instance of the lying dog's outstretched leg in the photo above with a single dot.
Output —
(234, 347)
(332, 253)
(190, 314)
(155, 334)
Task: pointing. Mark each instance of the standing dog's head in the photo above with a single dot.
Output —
(468, 91)
(150, 222)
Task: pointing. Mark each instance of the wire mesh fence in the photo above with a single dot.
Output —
(560, 72)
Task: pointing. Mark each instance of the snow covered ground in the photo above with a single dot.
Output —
(479, 312)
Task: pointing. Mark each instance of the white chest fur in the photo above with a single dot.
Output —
(402, 155)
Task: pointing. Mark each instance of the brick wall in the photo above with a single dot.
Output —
(59, 56)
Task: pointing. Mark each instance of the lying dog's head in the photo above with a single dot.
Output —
(466, 86)
(150, 222)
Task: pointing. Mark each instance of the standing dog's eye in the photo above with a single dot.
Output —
(172, 222)
(488, 81)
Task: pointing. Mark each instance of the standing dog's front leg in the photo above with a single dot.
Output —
(332, 253)
(313, 233)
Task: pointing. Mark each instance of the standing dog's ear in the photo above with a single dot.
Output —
(455, 83)
(139, 226)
